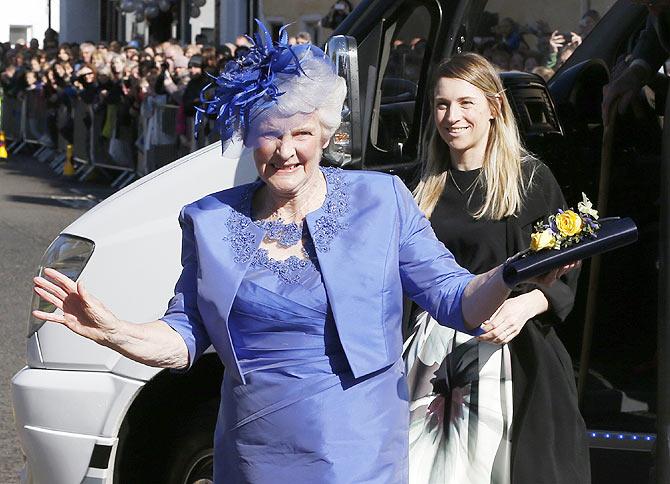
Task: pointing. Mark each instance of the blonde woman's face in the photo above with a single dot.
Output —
(462, 114)
(118, 64)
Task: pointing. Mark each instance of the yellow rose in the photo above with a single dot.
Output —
(568, 223)
(542, 240)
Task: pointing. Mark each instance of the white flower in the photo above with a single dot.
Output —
(586, 207)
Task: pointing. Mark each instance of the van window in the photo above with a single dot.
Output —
(403, 64)
(533, 36)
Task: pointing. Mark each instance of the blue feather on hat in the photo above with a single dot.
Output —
(250, 80)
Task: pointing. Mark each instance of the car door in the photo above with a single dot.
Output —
(618, 390)
(611, 333)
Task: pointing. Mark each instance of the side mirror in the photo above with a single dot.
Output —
(345, 145)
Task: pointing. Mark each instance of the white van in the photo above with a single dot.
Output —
(86, 414)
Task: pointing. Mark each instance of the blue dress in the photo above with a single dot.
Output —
(302, 417)
(291, 408)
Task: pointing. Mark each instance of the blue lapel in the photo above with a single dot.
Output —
(224, 261)
(351, 247)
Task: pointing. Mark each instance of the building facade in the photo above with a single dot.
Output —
(302, 15)
(28, 19)
(223, 20)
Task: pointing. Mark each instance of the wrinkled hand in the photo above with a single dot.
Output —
(82, 313)
(508, 321)
(622, 89)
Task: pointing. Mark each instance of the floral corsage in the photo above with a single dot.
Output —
(566, 227)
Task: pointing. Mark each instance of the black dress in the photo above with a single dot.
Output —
(542, 436)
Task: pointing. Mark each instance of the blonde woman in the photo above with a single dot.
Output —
(500, 408)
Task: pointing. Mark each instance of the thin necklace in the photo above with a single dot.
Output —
(462, 192)
(286, 233)
(302, 209)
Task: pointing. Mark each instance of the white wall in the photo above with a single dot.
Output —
(205, 20)
(29, 12)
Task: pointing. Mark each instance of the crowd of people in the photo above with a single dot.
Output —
(504, 42)
(122, 82)
(125, 82)
(533, 48)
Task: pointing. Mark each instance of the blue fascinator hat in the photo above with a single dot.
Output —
(249, 85)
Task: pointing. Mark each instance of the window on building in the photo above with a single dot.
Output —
(274, 25)
(20, 32)
(209, 33)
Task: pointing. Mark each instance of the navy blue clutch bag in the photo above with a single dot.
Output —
(613, 233)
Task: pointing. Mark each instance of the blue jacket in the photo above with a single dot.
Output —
(372, 243)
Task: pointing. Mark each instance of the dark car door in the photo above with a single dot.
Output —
(611, 333)
(400, 42)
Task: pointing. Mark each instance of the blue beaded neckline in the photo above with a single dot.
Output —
(286, 235)
(243, 239)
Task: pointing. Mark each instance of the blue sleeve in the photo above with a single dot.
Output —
(182, 313)
(429, 273)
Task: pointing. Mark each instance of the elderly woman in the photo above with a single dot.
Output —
(502, 407)
(297, 281)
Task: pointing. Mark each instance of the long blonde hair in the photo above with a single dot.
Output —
(501, 170)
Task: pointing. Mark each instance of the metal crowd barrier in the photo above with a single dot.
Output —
(11, 118)
(35, 118)
(206, 135)
(81, 121)
(102, 138)
(166, 148)
(159, 142)
(63, 119)
(98, 140)
(25, 122)
(36, 127)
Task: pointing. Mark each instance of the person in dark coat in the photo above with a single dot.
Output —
(195, 85)
(650, 52)
(501, 407)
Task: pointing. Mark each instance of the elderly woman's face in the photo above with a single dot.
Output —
(287, 151)
(87, 54)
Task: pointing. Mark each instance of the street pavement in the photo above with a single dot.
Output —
(35, 205)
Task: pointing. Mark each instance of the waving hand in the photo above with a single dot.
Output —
(82, 312)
